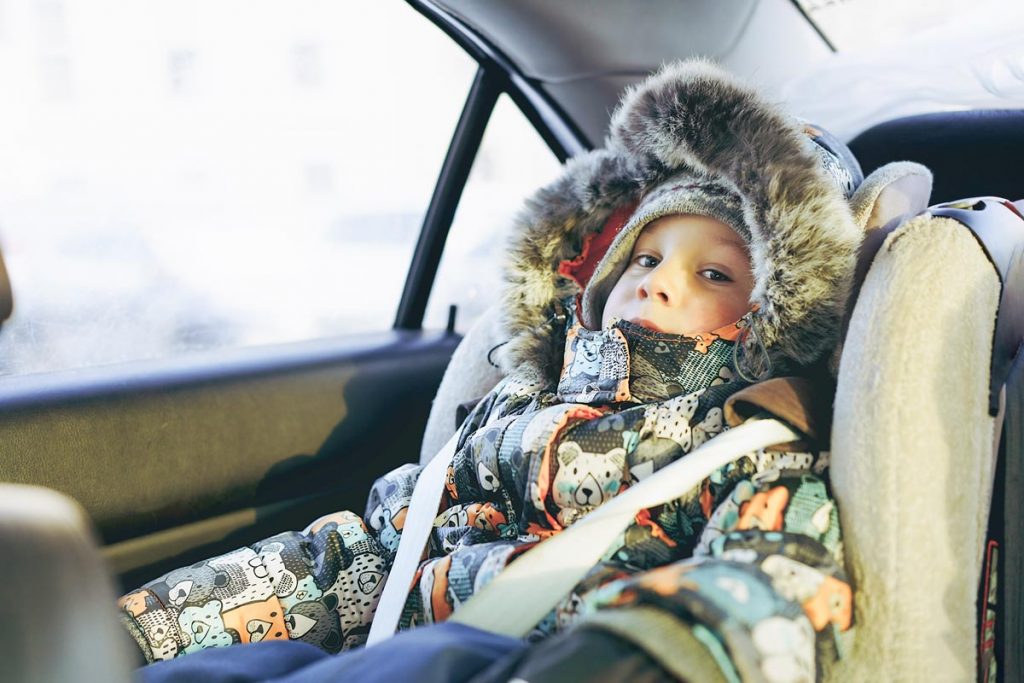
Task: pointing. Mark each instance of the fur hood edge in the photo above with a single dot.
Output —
(693, 117)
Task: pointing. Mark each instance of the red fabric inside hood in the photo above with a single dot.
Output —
(581, 268)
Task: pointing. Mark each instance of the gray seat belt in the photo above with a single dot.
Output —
(419, 520)
(531, 586)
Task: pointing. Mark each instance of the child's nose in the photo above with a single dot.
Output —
(661, 285)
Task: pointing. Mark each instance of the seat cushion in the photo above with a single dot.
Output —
(469, 376)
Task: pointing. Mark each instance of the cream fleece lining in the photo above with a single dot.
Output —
(468, 376)
(912, 458)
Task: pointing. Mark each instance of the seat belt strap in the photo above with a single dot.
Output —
(419, 520)
(531, 586)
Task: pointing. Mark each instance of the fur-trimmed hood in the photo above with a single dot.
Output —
(692, 117)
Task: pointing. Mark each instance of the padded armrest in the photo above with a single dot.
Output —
(59, 619)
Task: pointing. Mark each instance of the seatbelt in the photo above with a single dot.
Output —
(525, 591)
(419, 520)
(530, 587)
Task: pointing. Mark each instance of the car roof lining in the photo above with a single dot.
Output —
(554, 42)
(578, 54)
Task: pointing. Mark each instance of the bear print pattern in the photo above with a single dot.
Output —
(316, 622)
(248, 579)
(323, 586)
(585, 480)
(204, 627)
(596, 367)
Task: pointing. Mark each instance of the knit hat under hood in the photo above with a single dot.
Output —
(691, 139)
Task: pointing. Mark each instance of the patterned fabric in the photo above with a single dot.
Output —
(531, 461)
(768, 597)
(319, 587)
(603, 367)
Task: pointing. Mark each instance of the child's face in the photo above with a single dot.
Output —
(687, 275)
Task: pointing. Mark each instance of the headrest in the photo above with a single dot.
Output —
(970, 153)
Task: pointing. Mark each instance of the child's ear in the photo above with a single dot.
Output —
(900, 188)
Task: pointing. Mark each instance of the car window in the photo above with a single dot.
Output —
(180, 176)
(513, 161)
(900, 59)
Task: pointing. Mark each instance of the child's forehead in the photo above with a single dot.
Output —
(704, 230)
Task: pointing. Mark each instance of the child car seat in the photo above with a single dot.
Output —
(929, 377)
(933, 345)
(927, 412)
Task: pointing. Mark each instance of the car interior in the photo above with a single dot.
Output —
(117, 474)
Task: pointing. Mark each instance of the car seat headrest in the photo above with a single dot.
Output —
(972, 153)
(900, 188)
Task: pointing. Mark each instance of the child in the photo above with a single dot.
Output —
(709, 245)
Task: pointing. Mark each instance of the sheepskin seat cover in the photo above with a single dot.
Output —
(912, 453)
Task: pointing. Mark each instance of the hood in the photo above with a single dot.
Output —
(691, 117)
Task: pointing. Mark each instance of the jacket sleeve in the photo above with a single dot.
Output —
(319, 586)
(391, 494)
(765, 591)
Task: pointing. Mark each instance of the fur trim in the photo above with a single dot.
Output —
(552, 228)
(692, 116)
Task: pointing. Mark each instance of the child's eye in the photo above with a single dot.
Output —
(715, 275)
(646, 261)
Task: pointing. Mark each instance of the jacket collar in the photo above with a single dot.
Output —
(627, 363)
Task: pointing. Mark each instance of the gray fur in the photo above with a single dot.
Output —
(692, 116)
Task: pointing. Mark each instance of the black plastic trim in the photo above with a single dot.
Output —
(469, 131)
(496, 74)
(814, 25)
(999, 229)
(1010, 584)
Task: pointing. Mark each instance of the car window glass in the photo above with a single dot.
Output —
(513, 161)
(179, 176)
(898, 59)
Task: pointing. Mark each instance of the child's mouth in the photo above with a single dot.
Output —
(645, 323)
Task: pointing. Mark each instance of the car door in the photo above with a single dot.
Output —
(215, 435)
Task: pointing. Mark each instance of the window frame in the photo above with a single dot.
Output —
(496, 75)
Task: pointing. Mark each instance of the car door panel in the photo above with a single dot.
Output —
(205, 454)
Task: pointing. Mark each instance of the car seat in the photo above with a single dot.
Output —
(927, 415)
(926, 442)
(929, 378)
(57, 623)
(955, 602)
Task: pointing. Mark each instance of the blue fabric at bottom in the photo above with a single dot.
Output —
(236, 664)
(444, 653)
